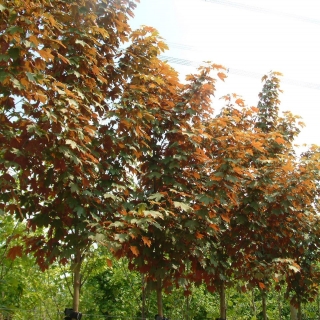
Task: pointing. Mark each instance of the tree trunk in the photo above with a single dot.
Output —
(76, 281)
(318, 304)
(264, 304)
(299, 311)
(187, 307)
(293, 312)
(159, 296)
(279, 306)
(143, 307)
(254, 308)
(223, 305)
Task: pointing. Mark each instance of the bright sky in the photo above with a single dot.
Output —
(250, 38)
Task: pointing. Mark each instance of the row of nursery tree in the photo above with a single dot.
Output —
(100, 142)
(113, 292)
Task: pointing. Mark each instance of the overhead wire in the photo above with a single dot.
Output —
(263, 10)
(239, 72)
(190, 63)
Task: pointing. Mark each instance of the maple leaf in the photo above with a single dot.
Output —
(15, 252)
(262, 285)
(240, 102)
(134, 250)
(225, 218)
(46, 54)
(146, 241)
(221, 75)
(182, 206)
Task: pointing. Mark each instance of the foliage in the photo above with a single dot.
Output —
(101, 141)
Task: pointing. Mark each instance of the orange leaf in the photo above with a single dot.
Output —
(34, 40)
(225, 218)
(134, 250)
(280, 140)
(199, 235)
(146, 241)
(46, 54)
(221, 75)
(240, 102)
(257, 145)
(288, 167)
(212, 214)
(196, 175)
(261, 285)
(214, 226)
(109, 263)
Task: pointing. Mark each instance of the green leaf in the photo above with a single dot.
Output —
(156, 196)
(74, 187)
(121, 237)
(154, 214)
(99, 237)
(219, 174)
(31, 76)
(154, 174)
(205, 199)
(3, 75)
(141, 207)
(191, 224)
(232, 178)
(82, 43)
(182, 206)
(4, 57)
(80, 210)
(72, 144)
(14, 29)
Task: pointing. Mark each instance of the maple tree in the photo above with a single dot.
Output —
(63, 66)
(160, 230)
(277, 207)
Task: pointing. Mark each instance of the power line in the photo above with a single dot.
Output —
(239, 72)
(263, 10)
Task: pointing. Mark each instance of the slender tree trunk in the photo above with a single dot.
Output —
(318, 303)
(279, 306)
(293, 312)
(223, 305)
(187, 307)
(264, 304)
(254, 308)
(159, 297)
(299, 311)
(76, 281)
(143, 306)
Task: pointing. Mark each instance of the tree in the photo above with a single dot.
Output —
(165, 201)
(63, 67)
(282, 191)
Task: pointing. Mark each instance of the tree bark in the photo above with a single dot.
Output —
(187, 307)
(293, 312)
(159, 297)
(143, 306)
(76, 281)
(318, 304)
(279, 306)
(254, 308)
(223, 305)
(299, 311)
(264, 304)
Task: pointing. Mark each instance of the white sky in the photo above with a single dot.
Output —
(251, 37)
